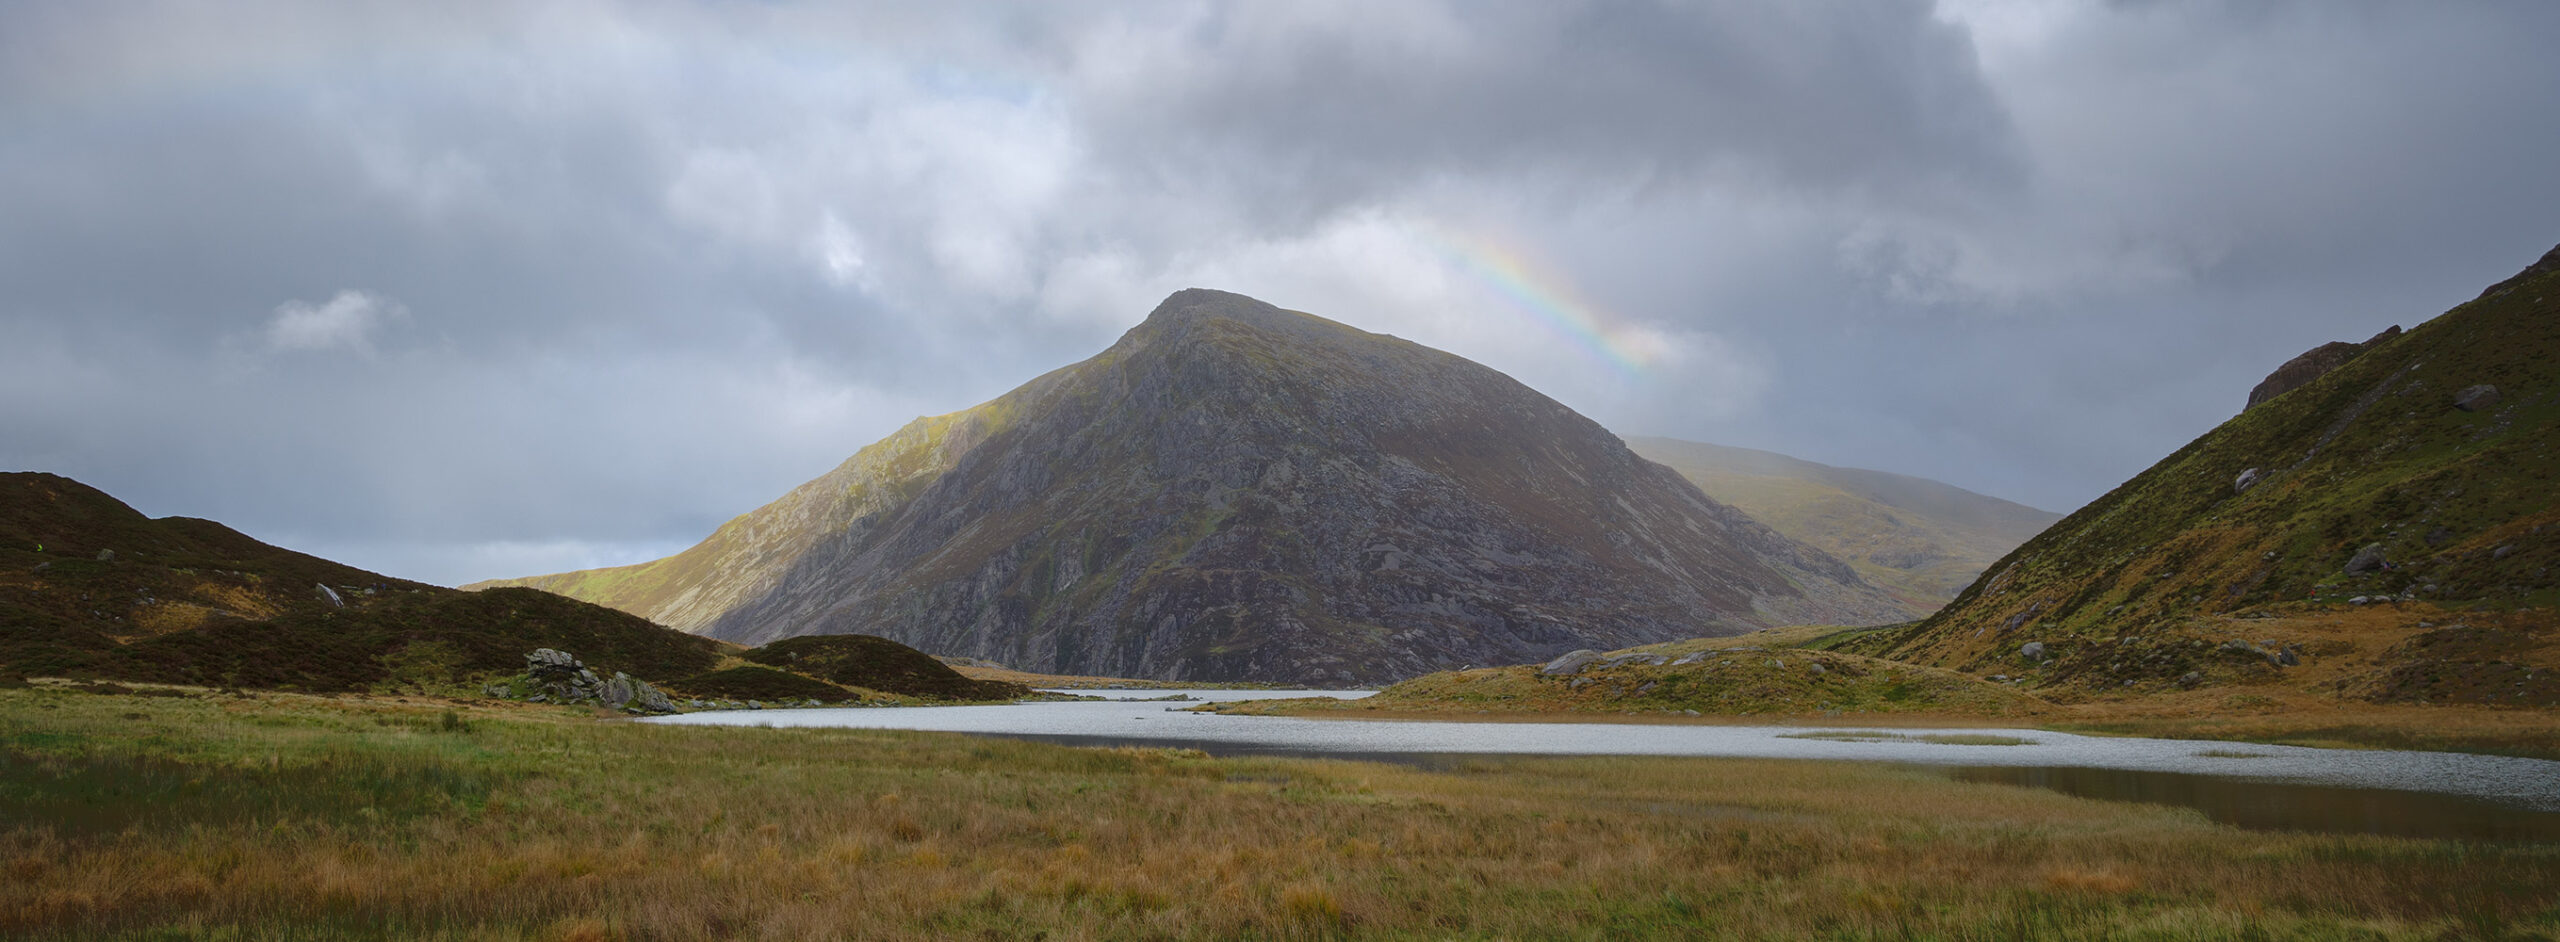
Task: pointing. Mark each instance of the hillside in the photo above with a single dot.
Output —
(1234, 491)
(1920, 539)
(2404, 487)
(90, 587)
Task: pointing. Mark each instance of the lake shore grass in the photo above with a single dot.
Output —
(203, 815)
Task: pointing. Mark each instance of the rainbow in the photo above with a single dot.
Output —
(1512, 272)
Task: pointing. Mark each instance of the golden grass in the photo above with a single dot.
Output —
(285, 816)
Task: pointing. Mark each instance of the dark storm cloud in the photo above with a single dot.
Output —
(1314, 105)
(469, 290)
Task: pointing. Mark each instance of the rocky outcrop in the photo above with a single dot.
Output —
(2311, 365)
(1235, 491)
(557, 677)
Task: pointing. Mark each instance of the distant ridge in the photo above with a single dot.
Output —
(1922, 540)
(1235, 491)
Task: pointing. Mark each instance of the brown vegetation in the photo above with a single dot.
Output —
(209, 816)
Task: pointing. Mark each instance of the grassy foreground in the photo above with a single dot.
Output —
(280, 816)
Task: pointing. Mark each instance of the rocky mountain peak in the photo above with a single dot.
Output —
(1237, 491)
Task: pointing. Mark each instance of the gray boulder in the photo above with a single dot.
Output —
(616, 692)
(2032, 650)
(2476, 398)
(2369, 559)
(1571, 662)
(2247, 480)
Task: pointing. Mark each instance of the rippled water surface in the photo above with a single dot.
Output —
(2434, 794)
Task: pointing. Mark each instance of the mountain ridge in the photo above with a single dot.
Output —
(1921, 539)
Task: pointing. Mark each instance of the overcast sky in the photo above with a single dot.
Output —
(473, 289)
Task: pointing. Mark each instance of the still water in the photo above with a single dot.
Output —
(2419, 794)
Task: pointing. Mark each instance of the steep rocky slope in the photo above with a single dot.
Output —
(1920, 539)
(2407, 488)
(1237, 491)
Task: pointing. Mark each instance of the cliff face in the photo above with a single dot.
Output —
(1235, 491)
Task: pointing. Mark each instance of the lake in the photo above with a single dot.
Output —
(2418, 794)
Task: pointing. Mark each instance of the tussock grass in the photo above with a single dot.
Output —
(297, 817)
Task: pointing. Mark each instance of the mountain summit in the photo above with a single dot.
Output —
(1235, 491)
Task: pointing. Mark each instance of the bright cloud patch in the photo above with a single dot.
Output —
(346, 321)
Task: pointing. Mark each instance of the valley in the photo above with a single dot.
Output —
(206, 733)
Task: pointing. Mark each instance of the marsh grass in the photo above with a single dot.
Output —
(298, 817)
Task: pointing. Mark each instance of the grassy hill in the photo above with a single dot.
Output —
(879, 664)
(2396, 492)
(1776, 672)
(1920, 539)
(90, 587)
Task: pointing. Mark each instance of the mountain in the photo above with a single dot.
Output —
(1235, 491)
(2394, 504)
(90, 587)
(1917, 538)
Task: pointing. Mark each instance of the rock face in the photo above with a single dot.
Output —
(2311, 365)
(1235, 491)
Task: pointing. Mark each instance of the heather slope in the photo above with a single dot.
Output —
(1920, 539)
(90, 587)
(1235, 491)
(2392, 485)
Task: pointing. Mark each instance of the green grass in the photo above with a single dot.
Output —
(295, 817)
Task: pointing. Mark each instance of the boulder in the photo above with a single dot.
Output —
(2032, 650)
(2247, 480)
(1571, 662)
(2372, 558)
(615, 692)
(2476, 398)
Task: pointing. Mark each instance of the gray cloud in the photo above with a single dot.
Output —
(473, 290)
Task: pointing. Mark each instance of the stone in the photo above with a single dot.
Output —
(650, 698)
(1570, 663)
(2369, 559)
(2360, 600)
(106, 556)
(2032, 650)
(2288, 658)
(2476, 398)
(2502, 551)
(2247, 480)
(2190, 679)
(615, 692)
